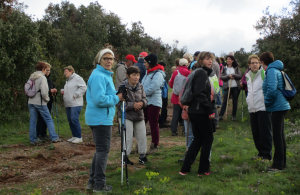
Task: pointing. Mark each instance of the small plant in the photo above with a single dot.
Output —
(51, 147)
(152, 175)
(142, 191)
(36, 192)
(164, 180)
(229, 128)
(246, 139)
(244, 119)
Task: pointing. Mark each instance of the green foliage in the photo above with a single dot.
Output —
(242, 57)
(281, 37)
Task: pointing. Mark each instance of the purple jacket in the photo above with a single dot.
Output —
(244, 81)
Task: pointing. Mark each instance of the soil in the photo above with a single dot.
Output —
(62, 166)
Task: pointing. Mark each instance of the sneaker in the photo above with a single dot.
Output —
(77, 140)
(105, 188)
(218, 106)
(220, 118)
(143, 160)
(71, 139)
(33, 143)
(152, 149)
(217, 127)
(39, 140)
(206, 174)
(183, 173)
(57, 140)
(89, 186)
(233, 118)
(174, 134)
(127, 161)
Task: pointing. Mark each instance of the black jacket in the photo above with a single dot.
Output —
(50, 86)
(201, 103)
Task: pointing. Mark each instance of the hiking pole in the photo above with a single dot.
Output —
(228, 100)
(187, 135)
(123, 135)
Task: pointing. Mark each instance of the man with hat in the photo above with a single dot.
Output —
(121, 69)
(141, 66)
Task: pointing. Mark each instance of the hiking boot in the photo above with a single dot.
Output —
(164, 125)
(57, 140)
(220, 118)
(233, 118)
(89, 186)
(33, 143)
(127, 161)
(174, 134)
(143, 160)
(105, 188)
(40, 140)
(273, 170)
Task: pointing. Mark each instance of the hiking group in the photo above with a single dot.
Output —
(197, 82)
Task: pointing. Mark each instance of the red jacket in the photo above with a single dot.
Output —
(183, 71)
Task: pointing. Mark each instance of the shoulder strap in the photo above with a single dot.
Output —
(178, 73)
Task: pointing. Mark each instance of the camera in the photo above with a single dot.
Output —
(122, 89)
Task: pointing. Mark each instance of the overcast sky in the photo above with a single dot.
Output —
(210, 25)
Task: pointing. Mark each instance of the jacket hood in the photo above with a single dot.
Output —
(72, 76)
(157, 67)
(277, 64)
(36, 75)
(101, 69)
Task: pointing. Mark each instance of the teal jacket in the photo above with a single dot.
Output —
(101, 98)
(273, 83)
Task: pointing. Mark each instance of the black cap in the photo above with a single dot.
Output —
(151, 59)
(196, 53)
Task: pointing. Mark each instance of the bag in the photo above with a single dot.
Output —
(30, 90)
(215, 84)
(165, 90)
(186, 93)
(178, 83)
(289, 90)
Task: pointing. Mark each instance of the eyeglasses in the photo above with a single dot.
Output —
(48, 70)
(107, 59)
(254, 63)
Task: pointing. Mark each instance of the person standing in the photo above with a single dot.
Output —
(38, 104)
(100, 111)
(200, 112)
(121, 69)
(231, 72)
(140, 65)
(260, 119)
(135, 122)
(177, 110)
(41, 126)
(153, 82)
(73, 92)
(277, 105)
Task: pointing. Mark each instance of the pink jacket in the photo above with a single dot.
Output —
(185, 72)
(220, 81)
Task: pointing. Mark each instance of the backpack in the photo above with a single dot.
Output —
(289, 90)
(165, 90)
(30, 90)
(215, 84)
(178, 83)
(186, 93)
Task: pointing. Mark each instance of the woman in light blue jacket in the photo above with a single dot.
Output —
(153, 82)
(100, 110)
(277, 105)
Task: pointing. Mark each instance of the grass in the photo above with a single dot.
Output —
(232, 150)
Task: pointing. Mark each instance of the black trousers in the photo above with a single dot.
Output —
(164, 112)
(279, 160)
(234, 91)
(261, 132)
(203, 138)
(177, 110)
(41, 126)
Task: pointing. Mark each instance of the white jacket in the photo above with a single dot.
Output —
(74, 87)
(255, 98)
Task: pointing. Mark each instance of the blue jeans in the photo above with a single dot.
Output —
(73, 118)
(219, 99)
(102, 138)
(44, 111)
(188, 137)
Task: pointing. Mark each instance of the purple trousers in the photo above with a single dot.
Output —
(151, 114)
